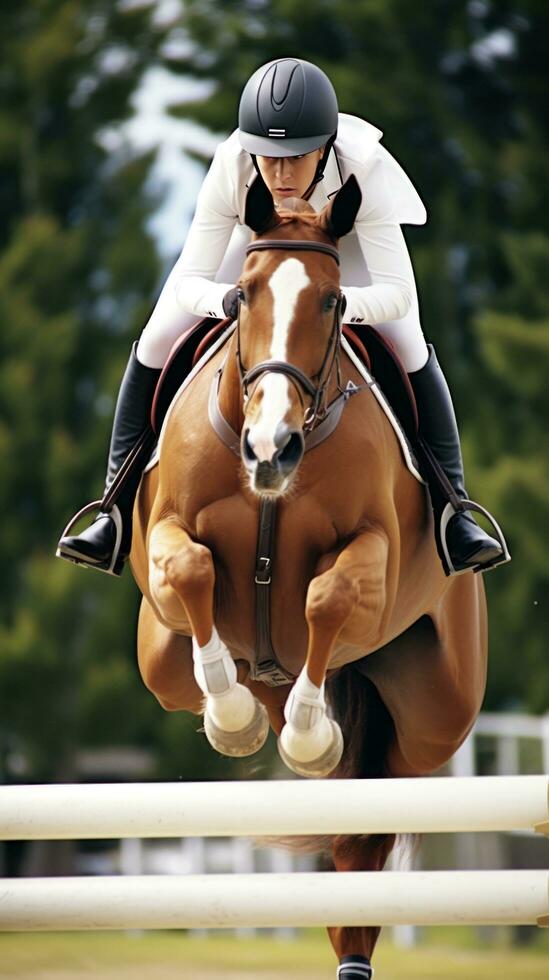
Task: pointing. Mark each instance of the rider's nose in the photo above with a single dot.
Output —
(281, 167)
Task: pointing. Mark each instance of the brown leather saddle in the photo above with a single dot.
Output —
(371, 348)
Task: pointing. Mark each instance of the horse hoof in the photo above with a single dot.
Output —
(324, 764)
(240, 743)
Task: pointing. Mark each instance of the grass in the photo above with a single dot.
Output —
(444, 955)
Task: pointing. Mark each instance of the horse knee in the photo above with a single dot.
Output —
(191, 571)
(331, 599)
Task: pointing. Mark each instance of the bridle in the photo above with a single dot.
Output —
(302, 383)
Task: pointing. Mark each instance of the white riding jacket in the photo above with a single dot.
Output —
(376, 271)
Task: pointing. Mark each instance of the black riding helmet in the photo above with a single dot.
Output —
(288, 107)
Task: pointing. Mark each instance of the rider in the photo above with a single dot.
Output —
(291, 135)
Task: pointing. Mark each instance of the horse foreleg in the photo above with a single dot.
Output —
(346, 602)
(182, 582)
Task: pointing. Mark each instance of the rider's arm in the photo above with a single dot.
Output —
(382, 243)
(206, 243)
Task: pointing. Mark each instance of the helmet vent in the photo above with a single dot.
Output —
(281, 81)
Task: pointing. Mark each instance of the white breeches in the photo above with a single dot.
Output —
(168, 321)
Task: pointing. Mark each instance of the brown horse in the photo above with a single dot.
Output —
(358, 594)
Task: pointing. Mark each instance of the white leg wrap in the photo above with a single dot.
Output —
(229, 704)
(308, 732)
(306, 703)
(214, 668)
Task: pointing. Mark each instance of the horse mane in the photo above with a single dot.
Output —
(295, 206)
(296, 210)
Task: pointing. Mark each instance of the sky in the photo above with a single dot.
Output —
(175, 175)
(176, 178)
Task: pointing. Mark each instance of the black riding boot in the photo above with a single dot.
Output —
(105, 545)
(462, 543)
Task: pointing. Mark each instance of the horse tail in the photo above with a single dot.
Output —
(368, 731)
(365, 722)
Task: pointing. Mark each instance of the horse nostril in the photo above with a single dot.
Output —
(247, 450)
(290, 455)
(282, 437)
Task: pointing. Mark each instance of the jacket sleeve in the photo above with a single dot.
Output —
(213, 223)
(382, 243)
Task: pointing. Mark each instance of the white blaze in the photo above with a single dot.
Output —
(285, 284)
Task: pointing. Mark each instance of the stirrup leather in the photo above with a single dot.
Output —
(446, 516)
(114, 566)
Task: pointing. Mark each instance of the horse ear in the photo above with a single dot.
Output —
(260, 212)
(341, 213)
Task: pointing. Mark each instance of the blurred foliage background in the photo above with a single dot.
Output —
(460, 91)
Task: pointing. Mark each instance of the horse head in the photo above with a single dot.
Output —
(289, 322)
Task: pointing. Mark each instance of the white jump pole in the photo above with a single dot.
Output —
(267, 900)
(239, 809)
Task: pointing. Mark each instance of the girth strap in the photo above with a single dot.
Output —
(266, 667)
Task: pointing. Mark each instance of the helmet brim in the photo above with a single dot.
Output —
(264, 146)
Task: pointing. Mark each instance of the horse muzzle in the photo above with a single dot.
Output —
(272, 476)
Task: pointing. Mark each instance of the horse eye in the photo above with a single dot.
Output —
(241, 294)
(330, 302)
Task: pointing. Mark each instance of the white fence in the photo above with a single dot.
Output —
(501, 737)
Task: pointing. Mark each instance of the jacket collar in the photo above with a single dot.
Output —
(329, 186)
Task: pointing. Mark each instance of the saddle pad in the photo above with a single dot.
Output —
(185, 354)
(390, 374)
(406, 443)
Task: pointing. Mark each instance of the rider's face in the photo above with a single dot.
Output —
(289, 176)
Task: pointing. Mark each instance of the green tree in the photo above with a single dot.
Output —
(77, 273)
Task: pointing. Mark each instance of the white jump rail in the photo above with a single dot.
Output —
(274, 900)
(241, 809)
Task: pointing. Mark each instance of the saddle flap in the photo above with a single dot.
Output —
(389, 372)
(185, 353)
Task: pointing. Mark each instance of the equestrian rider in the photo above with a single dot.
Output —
(291, 135)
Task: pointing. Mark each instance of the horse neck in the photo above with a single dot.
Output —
(230, 391)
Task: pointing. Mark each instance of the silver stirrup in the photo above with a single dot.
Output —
(446, 516)
(117, 518)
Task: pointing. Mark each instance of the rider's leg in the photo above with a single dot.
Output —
(468, 545)
(106, 543)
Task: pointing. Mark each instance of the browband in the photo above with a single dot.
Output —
(294, 245)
